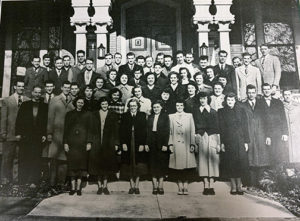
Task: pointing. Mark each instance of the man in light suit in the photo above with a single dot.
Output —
(245, 75)
(79, 67)
(88, 76)
(58, 108)
(269, 67)
(35, 75)
(194, 68)
(107, 66)
(58, 75)
(9, 111)
(226, 69)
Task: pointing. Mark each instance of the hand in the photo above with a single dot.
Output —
(141, 148)
(222, 147)
(284, 138)
(44, 139)
(4, 136)
(124, 147)
(66, 147)
(147, 149)
(192, 148)
(18, 137)
(246, 147)
(268, 141)
(116, 147)
(171, 147)
(88, 146)
(49, 138)
(164, 148)
(197, 138)
(218, 148)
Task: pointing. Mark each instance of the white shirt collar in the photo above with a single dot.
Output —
(207, 107)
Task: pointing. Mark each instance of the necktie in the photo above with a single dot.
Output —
(252, 105)
(262, 60)
(19, 100)
(246, 70)
(49, 98)
(67, 100)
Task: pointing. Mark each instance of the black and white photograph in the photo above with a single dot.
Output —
(150, 110)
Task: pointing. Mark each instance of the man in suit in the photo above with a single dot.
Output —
(237, 62)
(58, 75)
(9, 111)
(80, 65)
(31, 124)
(245, 75)
(269, 67)
(161, 80)
(137, 79)
(160, 58)
(189, 58)
(203, 64)
(168, 64)
(67, 67)
(130, 67)
(34, 75)
(88, 76)
(181, 63)
(47, 62)
(107, 66)
(140, 60)
(117, 60)
(277, 128)
(223, 68)
(58, 108)
(74, 90)
(49, 89)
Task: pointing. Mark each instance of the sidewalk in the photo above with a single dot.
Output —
(120, 205)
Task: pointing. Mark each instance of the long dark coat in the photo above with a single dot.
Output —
(234, 134)
(178, 94)
(276, 127)
(259, 152)
(103, 159)
(159, 160)
(152, 94)
(190, 104)
(31, 131)
(77, 134)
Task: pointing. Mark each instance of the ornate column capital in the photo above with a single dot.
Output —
(202, 26)
(224, 27)
(202, 11)
(223, 11)
(101, 29)
(80, 28)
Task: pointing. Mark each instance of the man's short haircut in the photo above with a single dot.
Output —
(35, 56)
(37, 86)
(108, 54)
(189, 53)
(140, 69)
(160, 54)
(80, 51)
(168, 56)
(223, 76)
(74, 84)
(140, 57)
(266, 85)
(103, 99)
(246, 54)
(48, 82)
(236, 57)
(179, 52)
(46, 56)
(203, 57)
(18, 80)
(57, 58)
(250, 86)
(157, 63)
(130, 54)
(117, 53)
(66, 56)
(264, 45)
(89, 86)
(222, 52)
(66, 83)
(148, 56)
(90, 59)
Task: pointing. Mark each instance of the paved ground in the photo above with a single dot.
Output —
(120, 205)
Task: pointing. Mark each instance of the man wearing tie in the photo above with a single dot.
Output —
(9, 111)
(130, 67)
(88, 76)
(47, 62)
(49, 88)
(35, 75)
(269, 67)
(107, 66)
(228, 70)
(245, 75)
(277, 128)
(58, 75)
(80, 65)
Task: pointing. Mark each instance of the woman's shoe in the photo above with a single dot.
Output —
(211, 191)
(180, 192)
(161, 191)
(240, 192)
(79, 193)
(155, 191)
(185, 191)
(106, 191)
(131, 191)
(72, 192)
(233, 192)
(100, 191)
(205, 191)
(137, 191)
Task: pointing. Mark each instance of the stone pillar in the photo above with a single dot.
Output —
(203, 31)
(7, 61)
(101, 33)
(224, 40)
(296, 30)
(80, 38)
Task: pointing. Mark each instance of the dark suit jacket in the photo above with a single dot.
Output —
(141, 83)
(229, 71)
(33, 78)
(58, 80)
(125, 69)
(81, 80)
(25, 123)
(162, 82)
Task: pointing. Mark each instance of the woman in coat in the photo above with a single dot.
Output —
(99, 90)
(151, 90)
(234, 142)
(103, 156)
(158, 130)
(208, 142)
(191, 102)
(182, 146)
(77, 143)
(133, 132)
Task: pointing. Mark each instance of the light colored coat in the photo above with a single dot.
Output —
(292, 112)
(58, 109)
(242, 79)
(9, 112)
(270, 69)
(217, 102)
(182, 136)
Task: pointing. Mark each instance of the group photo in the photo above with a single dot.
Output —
(134, 102)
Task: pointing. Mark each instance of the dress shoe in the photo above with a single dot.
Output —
(211, 191)
(205, 191)
(240, 192)
(137, 191)
(131, 191)
(100, 191)
(180, 192)
(106, 191)
(79, 193)
(155, 191)
(185, 191)
(233, 192)
(72, 192)
(161, 191)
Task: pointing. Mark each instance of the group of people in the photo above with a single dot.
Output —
(178, 121)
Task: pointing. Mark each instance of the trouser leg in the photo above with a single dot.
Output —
(8, 156)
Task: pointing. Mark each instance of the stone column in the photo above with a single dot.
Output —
(203, 31)
(296, 30)
(80, 38)
(224, 39)
(7, 61)
(101, 34)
